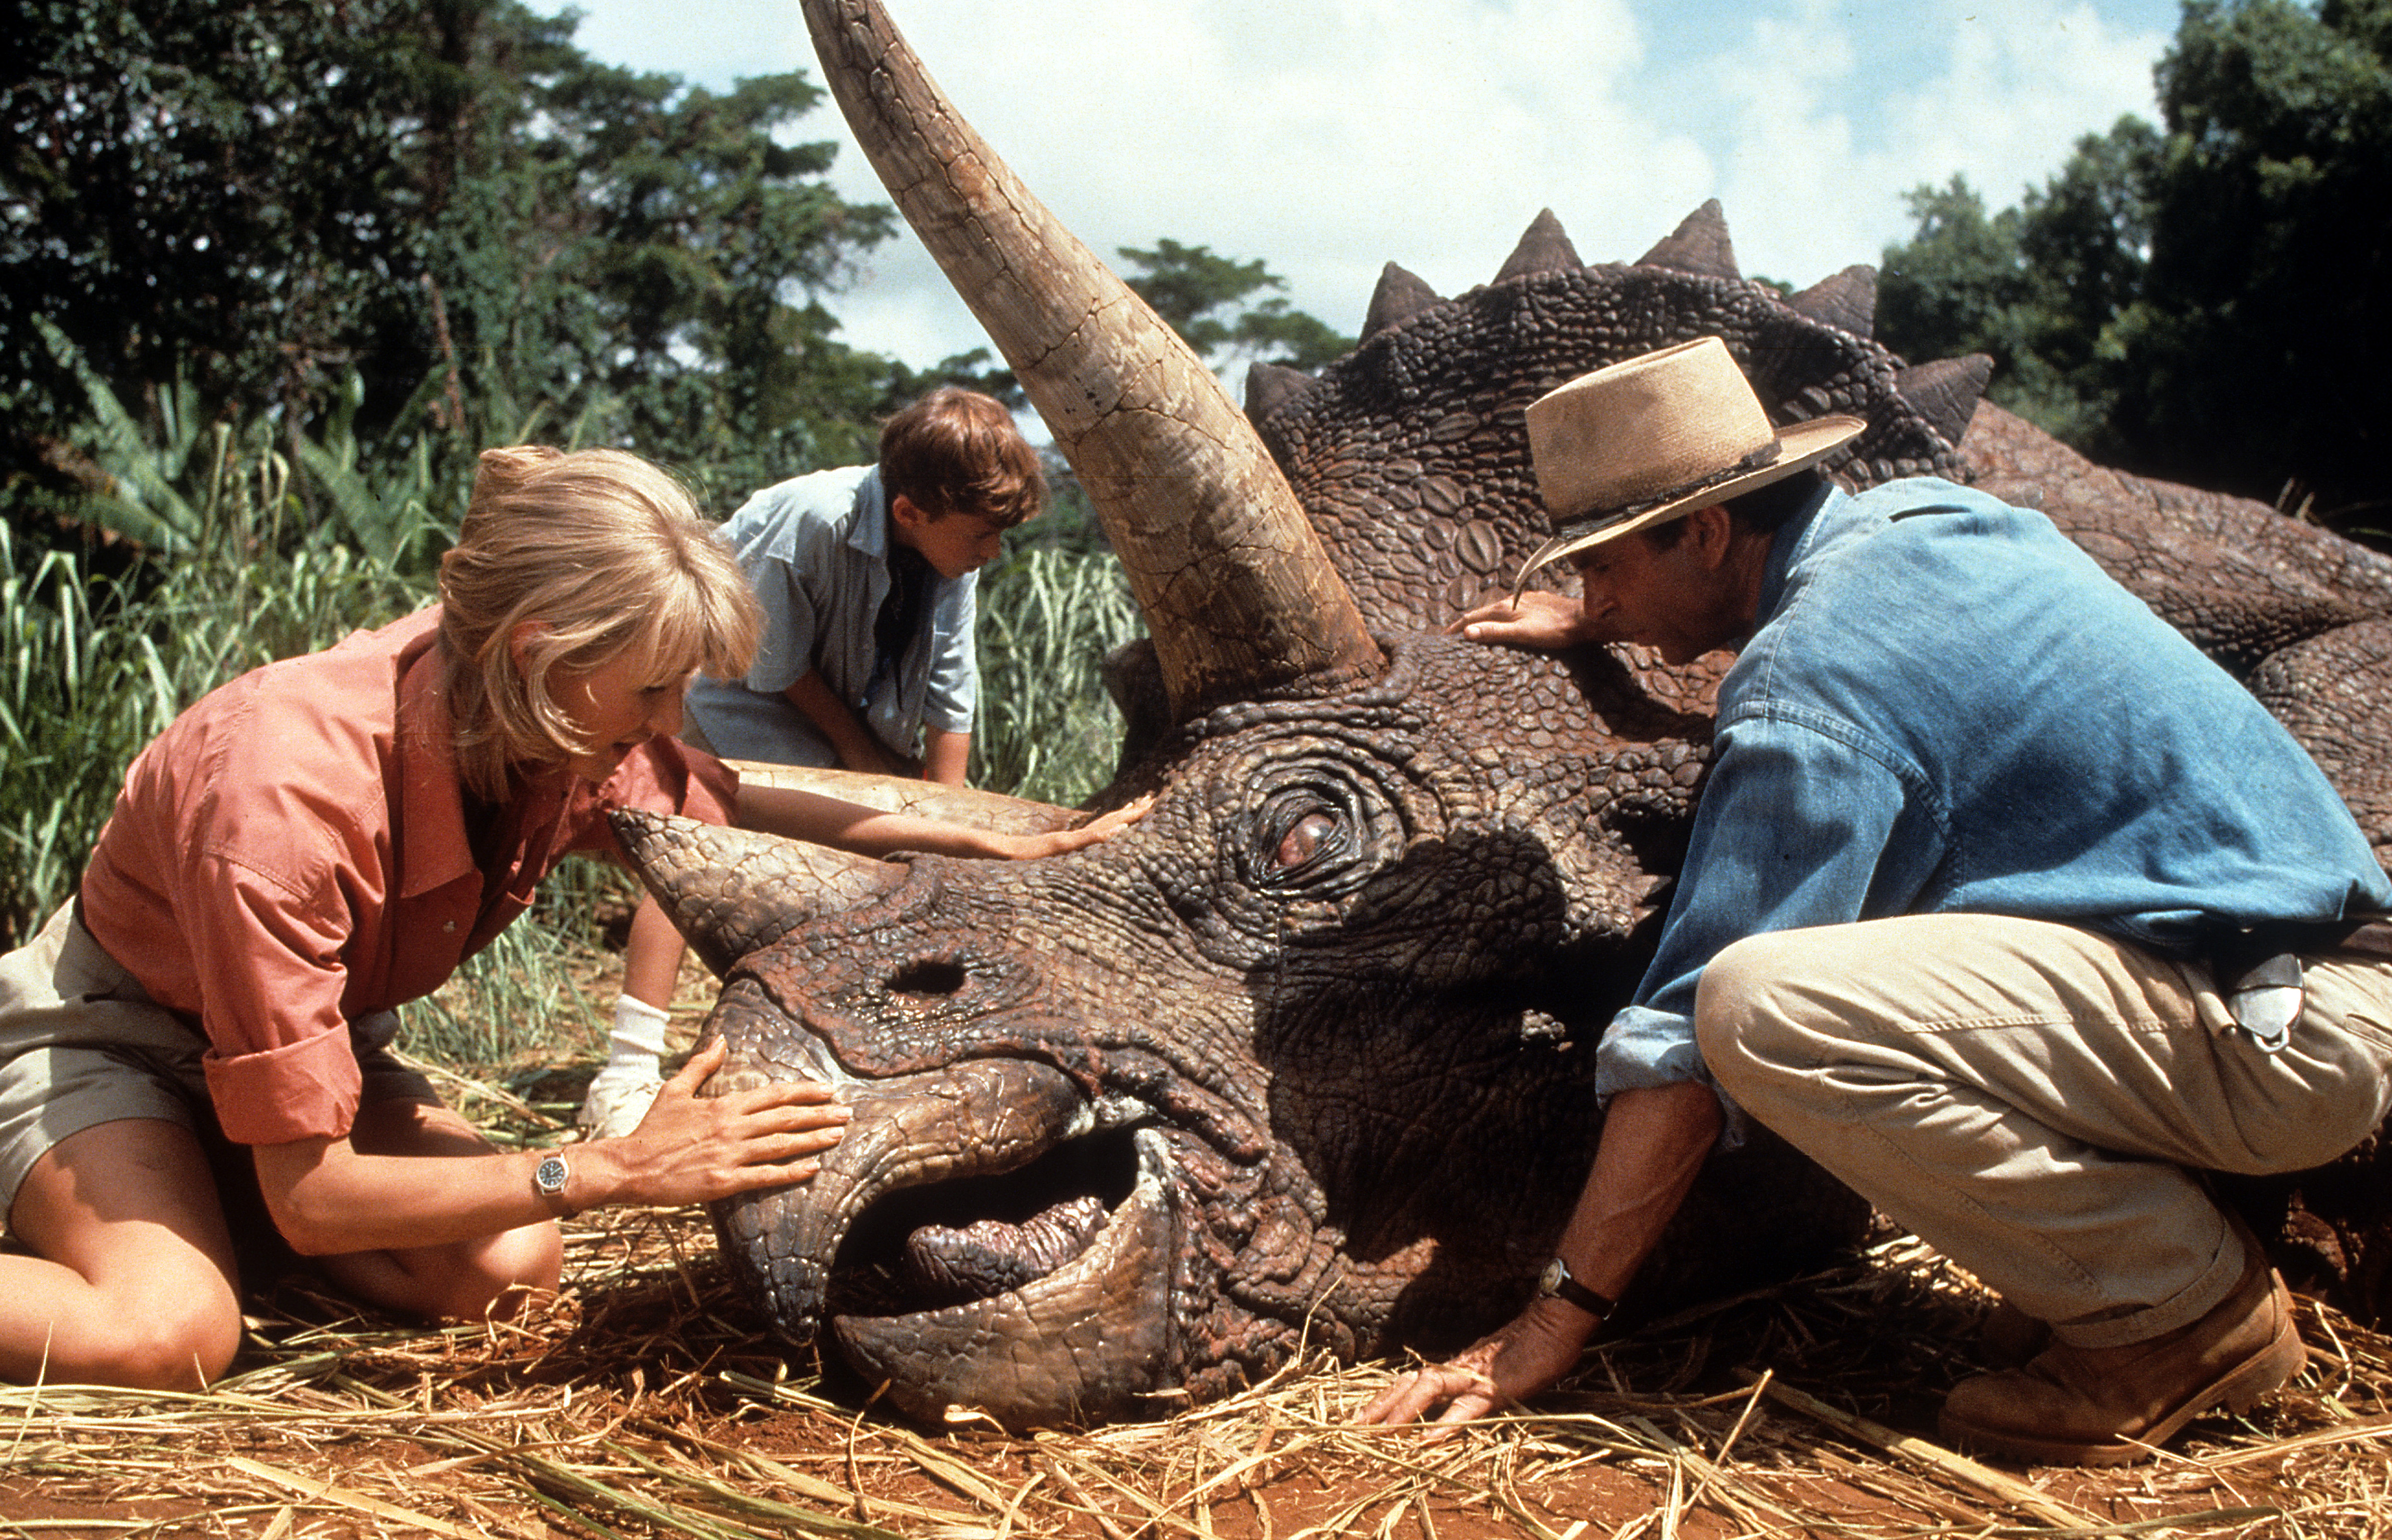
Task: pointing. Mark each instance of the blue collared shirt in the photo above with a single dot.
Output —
(1945, 707)
(816, 550)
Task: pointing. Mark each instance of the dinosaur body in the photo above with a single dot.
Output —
(1308, 1054)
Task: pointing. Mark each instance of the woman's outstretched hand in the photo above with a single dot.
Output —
(1098, 828)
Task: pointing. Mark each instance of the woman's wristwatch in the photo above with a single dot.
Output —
(548, 1179)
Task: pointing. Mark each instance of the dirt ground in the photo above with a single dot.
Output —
(646, 1401)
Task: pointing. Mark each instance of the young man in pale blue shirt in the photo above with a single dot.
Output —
(868, 575)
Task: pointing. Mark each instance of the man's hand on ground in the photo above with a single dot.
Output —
(1516, 1361)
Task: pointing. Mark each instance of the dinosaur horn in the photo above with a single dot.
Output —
(732, 892)
(1235, 584)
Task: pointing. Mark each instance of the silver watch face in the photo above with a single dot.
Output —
(549, 1175)
(1549, 1282)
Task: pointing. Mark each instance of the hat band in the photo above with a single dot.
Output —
(1595, 523)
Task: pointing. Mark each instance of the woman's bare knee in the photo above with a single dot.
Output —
(183, 1355)
(466, 1282)
(132, 1281)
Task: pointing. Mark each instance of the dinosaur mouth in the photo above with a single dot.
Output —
(981, 1236)
(1055, 1316)
(973, 1237)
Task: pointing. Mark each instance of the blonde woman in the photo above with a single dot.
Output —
(316, 843)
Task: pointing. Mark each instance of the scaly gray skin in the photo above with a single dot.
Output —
(1318, 1033)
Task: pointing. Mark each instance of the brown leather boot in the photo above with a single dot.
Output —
(2077, 1405)
(2009, 1336)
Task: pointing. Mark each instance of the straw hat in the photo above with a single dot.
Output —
(1655, 436)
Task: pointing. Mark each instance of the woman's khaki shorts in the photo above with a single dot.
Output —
(80, 1045)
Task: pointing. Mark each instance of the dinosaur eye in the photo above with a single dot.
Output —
(1302, 844)
(1308, 837)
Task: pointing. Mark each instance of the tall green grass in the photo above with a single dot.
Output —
(97, 662)
(97, 665)
(1046, 728)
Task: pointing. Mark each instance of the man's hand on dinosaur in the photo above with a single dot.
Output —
(1544, 622)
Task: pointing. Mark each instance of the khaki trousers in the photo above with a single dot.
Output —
(2035, 1101)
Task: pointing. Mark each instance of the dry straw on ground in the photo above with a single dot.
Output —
(646, 1402)
(643, 1403)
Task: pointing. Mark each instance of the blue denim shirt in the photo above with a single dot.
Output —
(1947, 706)
(816, 550)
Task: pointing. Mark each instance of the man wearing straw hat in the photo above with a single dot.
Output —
(2002, 902)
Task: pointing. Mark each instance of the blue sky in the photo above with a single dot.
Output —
(1330, 136)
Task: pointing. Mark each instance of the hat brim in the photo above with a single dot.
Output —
(1799, 448)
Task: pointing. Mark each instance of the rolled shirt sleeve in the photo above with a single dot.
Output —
(279, 1065)
(1796, 826)
(663, 775)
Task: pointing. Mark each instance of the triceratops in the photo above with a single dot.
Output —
(1307, 1055)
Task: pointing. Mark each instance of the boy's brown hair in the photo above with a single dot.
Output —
(958, 451)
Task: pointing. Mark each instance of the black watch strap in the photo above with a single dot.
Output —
(1557, 1284)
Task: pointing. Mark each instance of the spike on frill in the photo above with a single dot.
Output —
(1271, 386)
(1544, 248)
(1846, 301)
(1946, 393)
(1698, 245)
(1399, 296)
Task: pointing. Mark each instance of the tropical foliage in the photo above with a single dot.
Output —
(435, 217)
(2206, 300)
(1209, 299)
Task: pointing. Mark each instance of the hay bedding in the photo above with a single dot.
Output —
(646, 1401)
(643, 1401)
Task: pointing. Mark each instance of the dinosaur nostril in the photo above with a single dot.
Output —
(930, 977)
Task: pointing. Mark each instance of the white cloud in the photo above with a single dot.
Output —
(1827, 146)
(1329, 137)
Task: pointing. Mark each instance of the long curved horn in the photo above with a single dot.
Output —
(1235, 584)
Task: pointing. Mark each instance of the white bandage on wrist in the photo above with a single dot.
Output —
(638, 1032)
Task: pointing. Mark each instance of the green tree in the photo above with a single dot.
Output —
(2206, 300)
(189, 188)
(2038, 287)
(266, 197)
(1208, 299)
(2254, 354)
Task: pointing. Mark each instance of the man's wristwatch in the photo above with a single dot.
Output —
(1557, 1284)
(549, 1178)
